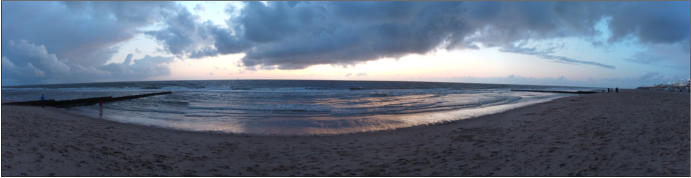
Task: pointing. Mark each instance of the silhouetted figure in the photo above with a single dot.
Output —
(100, 108)
(617, 90)
(608, 90)
(43, 100)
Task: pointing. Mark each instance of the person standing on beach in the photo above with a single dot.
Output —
(100, 108)
(43, 100)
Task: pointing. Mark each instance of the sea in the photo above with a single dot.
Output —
(290, 107)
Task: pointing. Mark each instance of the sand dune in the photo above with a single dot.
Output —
(632, 133)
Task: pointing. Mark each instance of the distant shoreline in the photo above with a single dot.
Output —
(631, 133)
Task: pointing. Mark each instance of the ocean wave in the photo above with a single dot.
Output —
(282, 104)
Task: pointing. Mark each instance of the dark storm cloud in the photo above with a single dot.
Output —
(185, 35)
(81, 36)
(67, 41)
(294, 35)
(345, 33)
(653, 22)
(81, 32)
(182, 34)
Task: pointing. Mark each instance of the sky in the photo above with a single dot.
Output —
(593, 44)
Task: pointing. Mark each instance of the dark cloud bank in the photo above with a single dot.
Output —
(55, 42)
(65, 39)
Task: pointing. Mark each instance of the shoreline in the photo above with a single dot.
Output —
(442, 117)
(569, 136)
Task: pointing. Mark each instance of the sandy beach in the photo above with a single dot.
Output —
(631, 133)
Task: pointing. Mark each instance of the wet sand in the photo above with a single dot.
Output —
(632, 133)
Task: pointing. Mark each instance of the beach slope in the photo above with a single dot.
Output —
(631, 133)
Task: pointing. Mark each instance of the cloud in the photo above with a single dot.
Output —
(70, 37)
(186, 36)
(199, 7)
(672, 56)
(547, 55)
(148, 66)
(361, 74)
(183, 35)
(294, 35)
(72, 41)
(27, 63)
(651, 22)
(35, 56)
(19, 73)
(335, 33)
(641, 79)
(79, 32)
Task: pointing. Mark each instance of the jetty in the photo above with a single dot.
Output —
(557, 91)
(83, 101)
